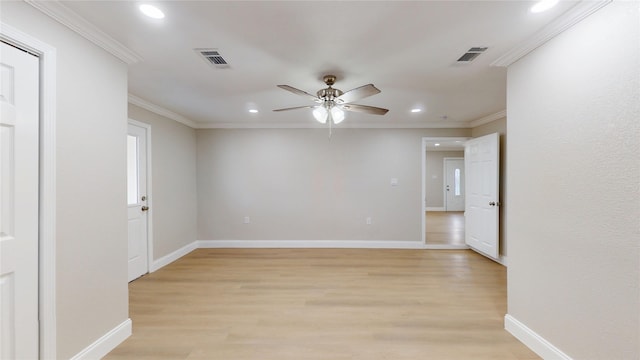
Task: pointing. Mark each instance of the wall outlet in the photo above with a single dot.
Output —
(394, 181)
(246, 220)
(368, 221)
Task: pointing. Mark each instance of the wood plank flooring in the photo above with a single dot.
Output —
(444, 227)
(321, 304)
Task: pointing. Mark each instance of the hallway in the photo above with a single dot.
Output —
(444, 227)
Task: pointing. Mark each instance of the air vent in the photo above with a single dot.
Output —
(213, 57)
(473, 53)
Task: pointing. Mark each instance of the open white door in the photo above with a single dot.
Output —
(482, 164)
(19, 115)
(137, 200)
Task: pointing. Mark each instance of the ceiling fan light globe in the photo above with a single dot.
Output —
(337, 114)
(320, 114)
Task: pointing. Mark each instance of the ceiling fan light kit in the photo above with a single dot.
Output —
(332, 103)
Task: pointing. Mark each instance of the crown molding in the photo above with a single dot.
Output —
(345, 125)
(157, 109)
(571, 17)
(487, 119)
(67, 17)
(132, 99)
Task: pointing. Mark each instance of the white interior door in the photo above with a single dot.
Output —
(482, 163)
(19, 115)
(137, 200)
(454, 184)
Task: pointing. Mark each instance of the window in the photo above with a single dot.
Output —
(456, 183)
(132, 170)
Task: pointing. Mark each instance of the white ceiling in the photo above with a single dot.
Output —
(406, 49)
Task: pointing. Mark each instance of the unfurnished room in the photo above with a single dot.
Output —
(320, 180)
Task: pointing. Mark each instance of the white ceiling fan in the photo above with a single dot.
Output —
(331, 102)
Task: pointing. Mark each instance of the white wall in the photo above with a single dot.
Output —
(296, 184)
(173, 181)
(574, 187)
(91, 218)
(434, 181)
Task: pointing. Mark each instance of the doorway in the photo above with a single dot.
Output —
(443, 221)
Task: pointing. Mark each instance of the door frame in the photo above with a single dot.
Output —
(423, 150)
(46, 183)
(149, 200)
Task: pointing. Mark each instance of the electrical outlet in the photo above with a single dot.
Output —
(368, 220)
(246, 220)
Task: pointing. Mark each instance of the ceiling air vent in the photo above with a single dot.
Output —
(471, 54)
(213, 57)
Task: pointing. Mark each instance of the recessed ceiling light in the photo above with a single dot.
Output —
(253, 111)
(436, 144)
(151, 11)
(543, 5)
(416, 110)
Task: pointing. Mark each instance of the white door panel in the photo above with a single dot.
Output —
(482, 203)
(137, 200)
(454, 184)
(19, 107)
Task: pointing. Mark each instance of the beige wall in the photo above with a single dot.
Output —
(499, 126)
(91, 217)
(296, 184)
(174, 194)
(574, 195)
(434, 173)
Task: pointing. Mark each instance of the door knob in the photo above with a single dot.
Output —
(145, 208)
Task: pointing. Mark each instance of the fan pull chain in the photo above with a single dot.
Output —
(330, 121)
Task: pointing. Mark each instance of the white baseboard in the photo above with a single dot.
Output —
(169, 258)
(282, 244)
(311, 244)
(531, 339)
(445, 247)
(434, 208)
(106, 343)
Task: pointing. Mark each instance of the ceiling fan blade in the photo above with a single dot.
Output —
(299, 92)
(364, 109)
(357, 94)
(297, 107)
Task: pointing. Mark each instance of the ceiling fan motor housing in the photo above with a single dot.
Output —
(329, 93)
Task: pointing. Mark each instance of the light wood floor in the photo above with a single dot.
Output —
(444, 227)
(321, 304)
